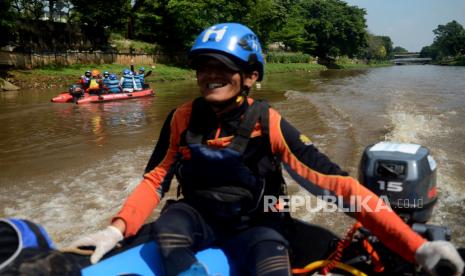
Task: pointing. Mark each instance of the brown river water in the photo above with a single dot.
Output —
(70, 167)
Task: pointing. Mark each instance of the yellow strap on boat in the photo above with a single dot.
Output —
(322, 263)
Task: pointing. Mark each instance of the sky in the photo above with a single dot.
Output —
(410, 23)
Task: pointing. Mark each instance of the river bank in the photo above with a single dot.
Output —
(453, 61)
(61, 77)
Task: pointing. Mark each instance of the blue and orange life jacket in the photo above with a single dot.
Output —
(229, 181)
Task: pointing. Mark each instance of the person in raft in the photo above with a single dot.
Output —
(96, 85)
(226, 150)
(127, 82)
(84, 80)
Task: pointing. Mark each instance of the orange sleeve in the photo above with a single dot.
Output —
(373, 213)
(146, 196)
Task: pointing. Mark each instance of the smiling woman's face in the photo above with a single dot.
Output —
(217, 82)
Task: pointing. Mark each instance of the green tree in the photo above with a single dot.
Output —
(333, 28)
(429, 52)
(28, 9)
(388, 45)
(450, 39)
(376, 48)
(265, 17)
(132, 16)
(292, 34)
(57, 9)
(7, 22)
(147, 21)
(174, 24)
(182, 20)
(102, 14)
(400, 50)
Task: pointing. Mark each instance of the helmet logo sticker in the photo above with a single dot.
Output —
(214, 34)
(249, 43)
(232, 43)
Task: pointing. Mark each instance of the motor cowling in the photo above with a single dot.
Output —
(405, 175)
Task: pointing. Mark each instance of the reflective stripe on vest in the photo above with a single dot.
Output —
(137, 83)
(113, 85)
(128, 81)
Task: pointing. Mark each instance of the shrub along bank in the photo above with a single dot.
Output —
(58, 76)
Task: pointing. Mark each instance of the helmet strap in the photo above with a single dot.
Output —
(244, 89)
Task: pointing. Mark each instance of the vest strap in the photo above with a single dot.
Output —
(256, 111)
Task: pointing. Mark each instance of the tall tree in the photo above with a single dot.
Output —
(450, 39)
(399, 50)
(388, 45)
(182, 20)
(266, 17)
(29, 9)
(7, 22)
(51, 9)
(112, 14)
(429, 52)
(376, 49)
(136, 5)
(333, 28)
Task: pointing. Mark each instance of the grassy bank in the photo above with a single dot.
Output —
(61, 76)
(364, 65)
(453, 61)
(50, 77)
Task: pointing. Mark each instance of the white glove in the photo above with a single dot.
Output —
(103, 240)
(429, 254)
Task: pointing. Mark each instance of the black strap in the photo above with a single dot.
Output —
(257, 110)
(193, 134)
(41, 241)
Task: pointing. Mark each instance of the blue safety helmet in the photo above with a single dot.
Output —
(233, 44)
(142, 69)
(112, 77)
(126, 71)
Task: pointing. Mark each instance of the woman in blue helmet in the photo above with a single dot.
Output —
(226, 151)
(141, 77)
(112, 84)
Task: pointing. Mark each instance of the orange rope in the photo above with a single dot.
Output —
(377, 264)
(336, 256)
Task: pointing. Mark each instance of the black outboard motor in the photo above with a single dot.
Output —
(405, 174)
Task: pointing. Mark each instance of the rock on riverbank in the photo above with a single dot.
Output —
(7, 86)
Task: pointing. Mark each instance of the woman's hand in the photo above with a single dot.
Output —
(103, 240)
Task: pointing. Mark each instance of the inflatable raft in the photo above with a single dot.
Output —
(144, 260)
(139, 255)
(67, 97)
